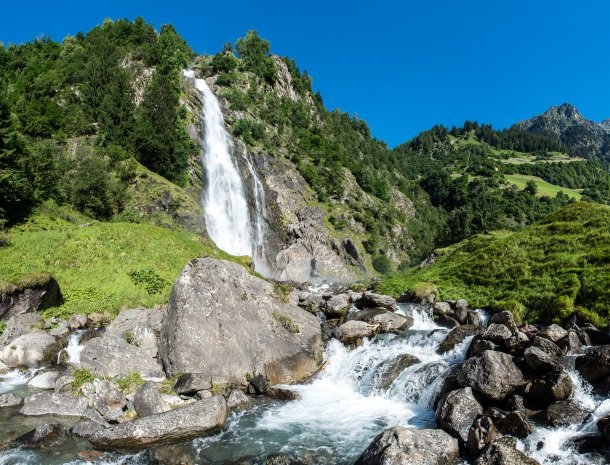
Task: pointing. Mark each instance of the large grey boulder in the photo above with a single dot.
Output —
(19, 325)
(31, 350)
(224, 323)
(190, 383)
(492, 373)
(594, 366)
(42, 293)
(391, 369)
(504, 451)
(113, 356)
(456, 336)
(42, 436)
(10, 400)
(353, 331)
(140, 327)
(51, 403)
(456, 412)
(388, 321)
(538, 360)
(505, 318)
(46, 380)
(198, 419)
(409, 446)
(372, 300)
(148, 401)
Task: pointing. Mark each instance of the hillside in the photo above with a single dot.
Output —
(545, 272)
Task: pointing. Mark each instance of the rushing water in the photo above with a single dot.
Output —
(227, 215)
(340, 412)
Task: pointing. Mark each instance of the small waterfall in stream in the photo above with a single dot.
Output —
(228, 218)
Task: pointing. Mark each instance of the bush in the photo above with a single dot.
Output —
(149, 280)
(382, 264)
(131, 382)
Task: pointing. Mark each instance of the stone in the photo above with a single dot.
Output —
(594, 365)
(456, 336)
(46, 380)
(279, 393)
(460, 310)
(571, 344)
(553, 333)
(478, 346)
(539, 361)
(552, 387)
(224, 322)
(148, 401)
(445, 321)
(237, 399)
(19, 325)
(10, 400)
(547, 346)
(15, 300)
(391, 369)
(51, 403)
(504, 451)
(493, 374)
(109, 394)
(85, 429)
(505, 318)
(564, 413)
(31, 350)
(42, 436)
(258, 385)
(78, 322)
(198, 419)
(140, 327)
(353, 331)
(498, 334)
(337, 306)
(409, 446)
(474, 318)
(456, 411)
(113, 356)
(442, 308)
(190, 383)
(515, 424)
(481, 433)
(388, 321)
(372, 300)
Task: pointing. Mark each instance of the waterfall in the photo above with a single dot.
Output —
(227, 218)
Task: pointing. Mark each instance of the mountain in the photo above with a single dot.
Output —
(580, 136)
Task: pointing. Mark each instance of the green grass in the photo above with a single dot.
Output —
(131, 382)
(81, 376)
(544, 188)
(92, 261)
(544, 272)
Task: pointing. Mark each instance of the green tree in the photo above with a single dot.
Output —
(116, 114)
(531, 187)
(171, 51)
(91, 189)
(254, 52)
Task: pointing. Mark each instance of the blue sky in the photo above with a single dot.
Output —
(402, 66)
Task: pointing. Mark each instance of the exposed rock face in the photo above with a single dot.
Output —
(19, 325)
(407, 446)
(456, 411)
(142, 326)
(30, 350)
(198, 419)
(113, 356)
(190, 383)
(492, 373)
(18, 300)
(223, 322)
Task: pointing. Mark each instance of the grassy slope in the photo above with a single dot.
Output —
(91, 260)
(544, 188)
(543, 272)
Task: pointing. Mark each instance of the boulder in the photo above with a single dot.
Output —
(498, 334)
(372, 300)
(445, 321)
(78, 322)
(224, 322)
(515, 424)
(571, 344)
(474, 318)
(279, 393)
(46, 380)
(552, 387)
(478, 346)
(43, 292)
(594, 365)
(42, 436)
(481, 433)
(442, 308)
(51, 403)
(140, 327)
(31, 350)
(258, 385)
(539, 361)
(113, 356)
(201, 418)
(547, 346)
(85, 429)
(553, 333)
(456, 411)
(19, 325)
(391, 369)
(409, 446)
(10, 400)
(504, 451)
(148, 401)
(388, 321)
(353, 331)
(237, 399)
(337, 306)
(456, 336)
(564, 413)
(505, 318)
(492, 373)
(190, 383)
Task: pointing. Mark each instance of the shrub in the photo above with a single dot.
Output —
(149, 280)
(382, 264)
(130, 382)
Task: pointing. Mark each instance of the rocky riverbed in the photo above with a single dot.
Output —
(235, 372)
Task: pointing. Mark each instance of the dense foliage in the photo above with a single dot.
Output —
(74, 113)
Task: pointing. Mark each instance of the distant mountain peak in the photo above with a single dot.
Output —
(567, 110)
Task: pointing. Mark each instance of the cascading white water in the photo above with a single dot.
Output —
(74, 348)
(227, 218)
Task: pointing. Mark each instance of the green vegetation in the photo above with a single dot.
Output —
(2, 327)
(286, 322)
(130, 382)
(92, 261)
(546, 272)
(542, 188)
(81, 376)
(282, 291)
